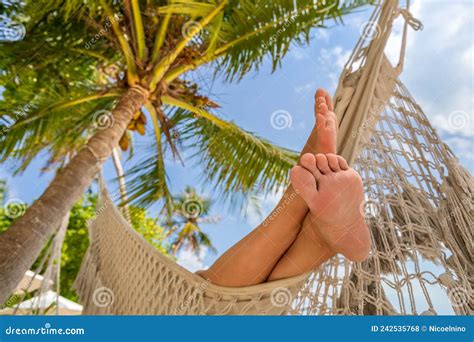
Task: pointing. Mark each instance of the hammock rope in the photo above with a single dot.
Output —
(418, 206)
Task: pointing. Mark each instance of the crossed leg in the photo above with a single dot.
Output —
(306, 227)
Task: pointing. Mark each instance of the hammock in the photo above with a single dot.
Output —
(123, 274)
(418, 206)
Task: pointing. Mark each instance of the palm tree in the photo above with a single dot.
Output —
(99, 68)
(190, 211)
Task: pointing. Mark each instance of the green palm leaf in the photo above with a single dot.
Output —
(254, 30)
(233, 159)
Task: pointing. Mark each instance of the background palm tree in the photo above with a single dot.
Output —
(99, 68)
(190, 211)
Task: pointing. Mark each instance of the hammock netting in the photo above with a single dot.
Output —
(418, 205)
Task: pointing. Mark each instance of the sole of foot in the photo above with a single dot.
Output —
(334, 194)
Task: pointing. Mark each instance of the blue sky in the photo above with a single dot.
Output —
(438, 72)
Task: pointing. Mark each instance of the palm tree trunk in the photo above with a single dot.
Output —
(21, 244)
(121, 181)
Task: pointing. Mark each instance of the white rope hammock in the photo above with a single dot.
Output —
(418, 205)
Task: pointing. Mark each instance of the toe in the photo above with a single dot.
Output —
(322, 164)
(308, 161)
(321, 92)
(333, 162)
(342, 163)
(322, 108)
(304, 183)
(318, 100)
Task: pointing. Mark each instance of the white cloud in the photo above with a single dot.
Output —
(336, 56)
(333, 60)
(457, 122)
(310, 86)
(322, 34)
(191, 261)
(298, 53)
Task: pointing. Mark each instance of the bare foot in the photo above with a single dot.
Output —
(334, 193)
(326, 123)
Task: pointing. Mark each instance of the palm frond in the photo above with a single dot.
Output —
(269, 33)
(160, 37)
(139, 30)
(48, 123)
(124, 44)
(191, 8)
(148, 181)
(233, 159)
(253, 30)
